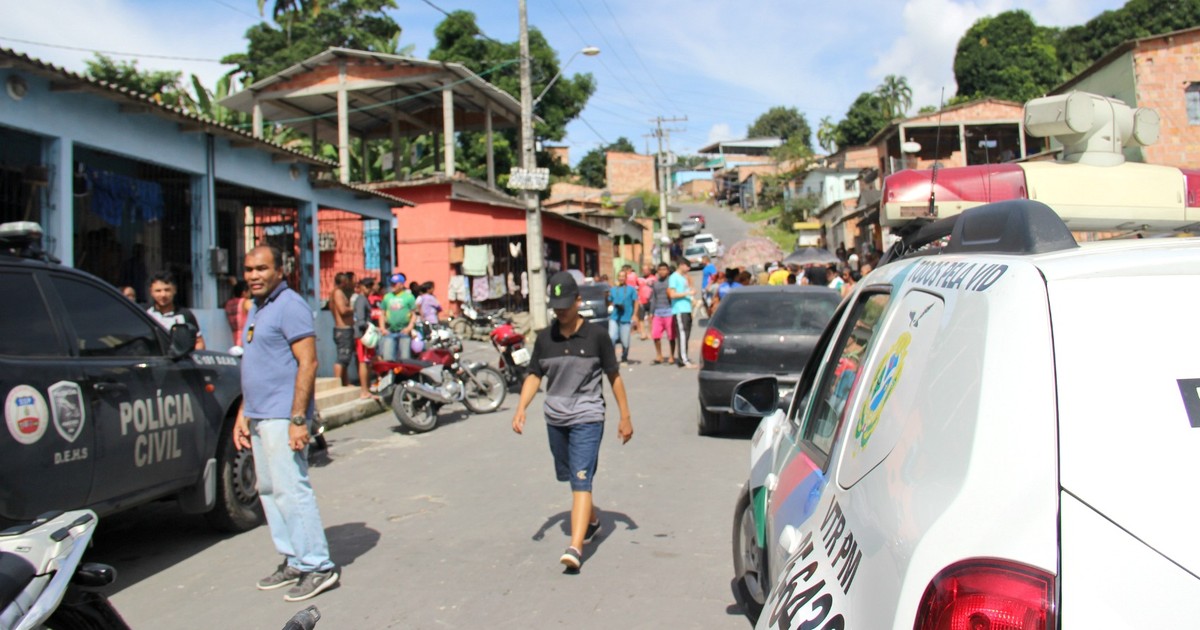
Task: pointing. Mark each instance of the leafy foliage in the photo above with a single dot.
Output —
(359, 24)
(1080, 46)
(1007, 56)
(164, 86)
(782, 122)
(592, 168)
(864, 119)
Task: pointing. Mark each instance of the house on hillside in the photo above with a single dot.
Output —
(1161, 72)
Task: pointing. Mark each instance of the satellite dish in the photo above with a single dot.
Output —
(634, 207)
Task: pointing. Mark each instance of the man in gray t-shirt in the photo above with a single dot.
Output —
(574, 356)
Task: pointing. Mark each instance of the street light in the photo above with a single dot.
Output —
(590, 51)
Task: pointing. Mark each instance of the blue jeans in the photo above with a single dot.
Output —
(619, 332)
(576, 451)
(287, 496)
(396, 346)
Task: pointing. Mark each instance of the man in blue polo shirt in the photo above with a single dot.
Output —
(279, 369)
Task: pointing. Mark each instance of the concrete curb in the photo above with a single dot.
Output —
(349, 412)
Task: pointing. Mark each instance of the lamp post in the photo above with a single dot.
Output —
(534, 250)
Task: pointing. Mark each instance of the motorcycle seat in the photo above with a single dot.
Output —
(15, 574)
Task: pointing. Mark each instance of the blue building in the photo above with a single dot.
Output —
(124, 186)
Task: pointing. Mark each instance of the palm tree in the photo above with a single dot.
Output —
(895, 94)
(827, 134)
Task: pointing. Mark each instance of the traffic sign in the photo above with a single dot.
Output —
(529, 179)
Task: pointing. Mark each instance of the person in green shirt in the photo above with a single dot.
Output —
(398, 308)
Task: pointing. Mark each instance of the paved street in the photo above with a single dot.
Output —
(463, 526)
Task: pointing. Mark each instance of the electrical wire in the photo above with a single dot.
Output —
(111, 52)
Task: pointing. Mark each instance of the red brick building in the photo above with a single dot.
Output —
(1161, 72)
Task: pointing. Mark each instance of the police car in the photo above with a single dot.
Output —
(103, 408)
(999, 429)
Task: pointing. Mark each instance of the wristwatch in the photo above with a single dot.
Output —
(299, 421)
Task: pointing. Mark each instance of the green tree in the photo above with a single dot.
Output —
(827, 135)
(592, 168)
(863, 120)
(782, 122)
(358, 24)
(1080, 46)
(164, 86)
(895, 95)
(1007, 56)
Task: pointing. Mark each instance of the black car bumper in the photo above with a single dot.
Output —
(716, 388)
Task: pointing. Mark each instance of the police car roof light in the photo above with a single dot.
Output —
(1017, 226)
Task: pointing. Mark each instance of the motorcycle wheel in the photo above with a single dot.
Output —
(485, 392)
(414, 412)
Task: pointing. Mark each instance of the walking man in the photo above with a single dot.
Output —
(620, 321)
(660, 307)
(679, 289)
(572, 355)
(343, 324)
(279, 369)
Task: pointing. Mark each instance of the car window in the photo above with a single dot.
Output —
(27, 313)
(105, 323)
(790, 312)
(843, 372)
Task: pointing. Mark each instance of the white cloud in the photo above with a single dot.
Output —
(719, 132)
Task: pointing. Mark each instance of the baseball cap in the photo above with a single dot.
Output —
(563, 290)
(397, 278)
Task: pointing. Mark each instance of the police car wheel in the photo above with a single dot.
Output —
(710, 423)
(415, 412)
(237, 508)
(749, 560)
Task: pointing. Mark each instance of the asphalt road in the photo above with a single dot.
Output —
(462, 527)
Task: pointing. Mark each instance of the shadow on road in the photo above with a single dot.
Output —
(350, 541)
(608, 524)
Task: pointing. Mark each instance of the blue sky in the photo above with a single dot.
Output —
(720, 63)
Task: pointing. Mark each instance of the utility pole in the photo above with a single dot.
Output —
(664, 183)
(534, 250)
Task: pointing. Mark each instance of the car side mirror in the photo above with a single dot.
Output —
(756, 397)
(183, 340)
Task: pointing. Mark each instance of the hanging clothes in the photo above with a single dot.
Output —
(480, 289)
(475, 260)
(496, 287)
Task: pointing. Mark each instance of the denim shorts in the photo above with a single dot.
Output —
(576, 451)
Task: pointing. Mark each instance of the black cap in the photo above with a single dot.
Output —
(563, 290)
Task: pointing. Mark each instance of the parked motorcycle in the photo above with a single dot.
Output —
(514, 356)
(474, 323)
(43, 582)
(417, 388)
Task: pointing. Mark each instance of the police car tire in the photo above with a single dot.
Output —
(750, 606)
(230, 513)
(710, 423)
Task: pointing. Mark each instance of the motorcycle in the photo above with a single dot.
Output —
(44, 584)
(417, 388)
(474, 323)
(514, 356)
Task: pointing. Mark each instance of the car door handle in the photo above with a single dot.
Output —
(109, 387)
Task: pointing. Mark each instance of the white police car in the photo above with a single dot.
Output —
(1003, 433)
(103, 408)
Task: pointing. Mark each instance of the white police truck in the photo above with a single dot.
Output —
(999, 429)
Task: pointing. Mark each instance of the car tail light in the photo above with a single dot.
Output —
(711, 348)
(987, 594)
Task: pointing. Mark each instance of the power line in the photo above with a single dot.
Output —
(234, 8)
(638, 56)
(111, 52)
